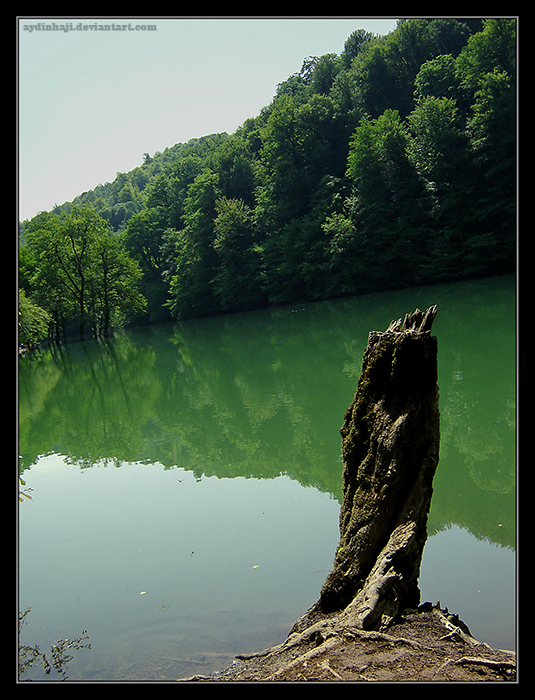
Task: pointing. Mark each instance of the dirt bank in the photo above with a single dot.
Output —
(426, 645)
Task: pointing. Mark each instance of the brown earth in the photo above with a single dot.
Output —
(426, 645)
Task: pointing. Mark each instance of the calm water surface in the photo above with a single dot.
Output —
(186, 478)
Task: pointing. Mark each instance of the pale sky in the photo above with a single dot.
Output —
(92, 102)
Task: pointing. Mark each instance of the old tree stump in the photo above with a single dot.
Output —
(368, 606)
(390, 447)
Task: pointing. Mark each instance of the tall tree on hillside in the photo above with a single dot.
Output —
(438, 149)
(62, 247)
(389, 202)
(75, 256)
(388, 67)
(237, 280)
(192, 259)
(144, 238)
(494, 48)
(114, 284)
(487, 70)
(82, 272)
(302, 143)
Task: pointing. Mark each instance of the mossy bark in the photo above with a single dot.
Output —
(390, 449)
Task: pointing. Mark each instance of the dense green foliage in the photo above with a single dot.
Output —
(392, 164)
(75, 269)
(33, 321)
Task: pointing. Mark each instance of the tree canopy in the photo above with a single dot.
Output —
(80, 273)
(392, 164)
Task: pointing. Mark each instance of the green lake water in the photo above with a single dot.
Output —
(186, 478)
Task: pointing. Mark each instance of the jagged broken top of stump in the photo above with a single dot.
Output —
(417, 322)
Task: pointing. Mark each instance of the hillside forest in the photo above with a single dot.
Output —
(390, 165)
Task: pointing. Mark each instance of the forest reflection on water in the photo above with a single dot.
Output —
(263, 394)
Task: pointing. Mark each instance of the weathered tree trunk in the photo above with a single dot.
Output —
(390, 447)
